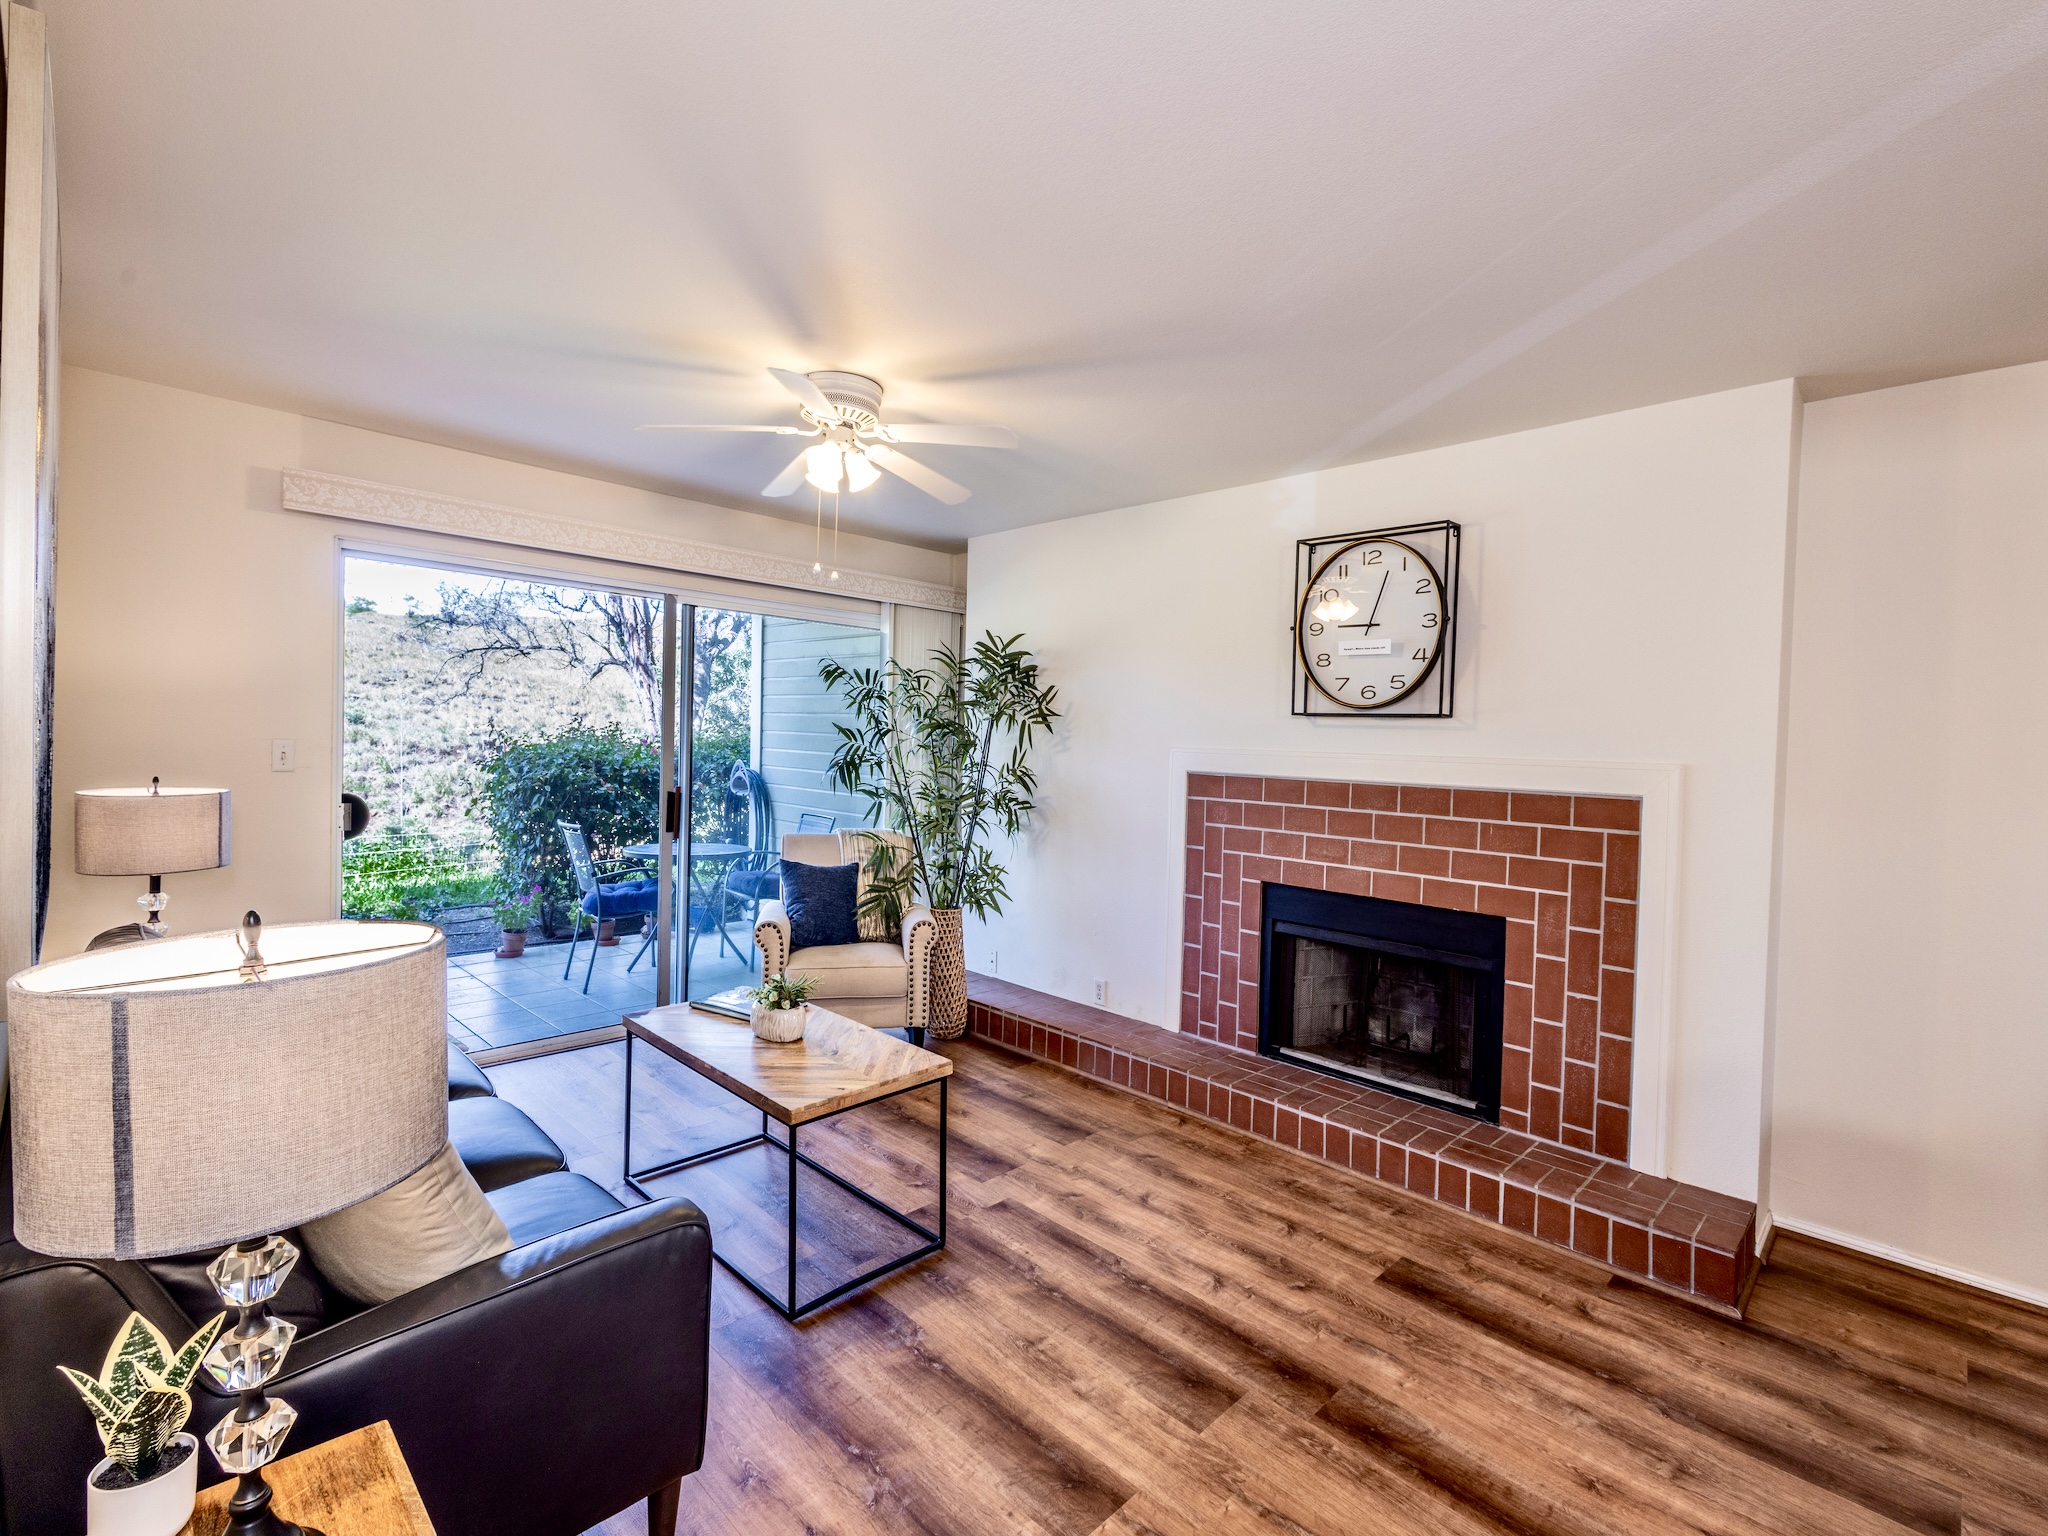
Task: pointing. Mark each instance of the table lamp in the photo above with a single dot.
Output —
(321, 1047)
(153, 832)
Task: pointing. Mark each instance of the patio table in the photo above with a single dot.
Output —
(716, 859)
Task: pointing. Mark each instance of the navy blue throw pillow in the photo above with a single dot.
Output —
(819, 899)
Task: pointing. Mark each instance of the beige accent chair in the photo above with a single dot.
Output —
(883, 983)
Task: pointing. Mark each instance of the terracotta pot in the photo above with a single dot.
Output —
(607, 932)
(949, 976)
(511, 943)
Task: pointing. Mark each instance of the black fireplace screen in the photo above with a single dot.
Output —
(1403, 997)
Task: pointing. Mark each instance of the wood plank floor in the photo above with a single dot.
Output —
(1149, 1326)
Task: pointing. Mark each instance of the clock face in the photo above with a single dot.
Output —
(1371, 623)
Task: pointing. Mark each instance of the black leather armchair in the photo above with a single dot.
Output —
(534, 1394)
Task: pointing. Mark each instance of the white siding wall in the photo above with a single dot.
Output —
(797, 712)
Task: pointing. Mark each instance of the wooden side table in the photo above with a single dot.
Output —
(356, 1484)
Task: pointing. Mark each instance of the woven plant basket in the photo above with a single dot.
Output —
(949, 976)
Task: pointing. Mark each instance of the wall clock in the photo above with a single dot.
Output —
(1376, 622)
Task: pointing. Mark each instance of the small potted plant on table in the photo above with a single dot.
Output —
(146, 1484)
(781, 1004)
(514, 911)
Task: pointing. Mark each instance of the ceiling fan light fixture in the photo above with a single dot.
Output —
(822, 466)
(841, 408)
(860, 474)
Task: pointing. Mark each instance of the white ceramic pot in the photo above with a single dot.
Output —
(159, 1507)
(781, 1025)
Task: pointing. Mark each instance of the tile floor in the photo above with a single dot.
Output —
(494, 1003)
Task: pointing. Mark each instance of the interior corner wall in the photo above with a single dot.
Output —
(196, 622)
(1912, 1036)
(1622, 602)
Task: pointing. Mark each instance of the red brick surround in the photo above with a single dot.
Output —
(1673, 1234)
(1560, 868)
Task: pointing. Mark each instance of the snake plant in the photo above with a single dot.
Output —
(139, 1400)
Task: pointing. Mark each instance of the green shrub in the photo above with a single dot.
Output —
(414, 876)
(598, 776)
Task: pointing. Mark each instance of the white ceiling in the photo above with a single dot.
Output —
(1176, 246)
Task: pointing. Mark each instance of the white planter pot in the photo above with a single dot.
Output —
(781, 1025)
(159, 1507)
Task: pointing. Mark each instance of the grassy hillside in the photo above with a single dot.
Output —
(416, 723)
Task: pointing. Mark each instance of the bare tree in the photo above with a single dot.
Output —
(594, 632)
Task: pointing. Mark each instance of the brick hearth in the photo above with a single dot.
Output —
(1560, 868)
(1673, 1234)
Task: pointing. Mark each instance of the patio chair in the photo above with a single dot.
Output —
(755, 877)
(816, 821)
(599, 900)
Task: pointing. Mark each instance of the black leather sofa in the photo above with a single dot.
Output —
(534, 1394)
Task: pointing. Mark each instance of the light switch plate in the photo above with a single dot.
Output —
(283, 754)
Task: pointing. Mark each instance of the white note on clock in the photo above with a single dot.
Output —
(1365, 647)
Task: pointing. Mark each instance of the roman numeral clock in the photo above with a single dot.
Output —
(1376, 622)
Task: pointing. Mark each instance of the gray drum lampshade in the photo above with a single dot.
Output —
(167, 1097)
(150, 831)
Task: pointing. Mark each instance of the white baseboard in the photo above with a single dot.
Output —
(1911, 1260)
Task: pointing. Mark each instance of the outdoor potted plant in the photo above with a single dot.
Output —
(940, 753)
(514, 911)
(781, 1005)
(146, 1484)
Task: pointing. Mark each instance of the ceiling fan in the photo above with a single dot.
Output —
(841, 409)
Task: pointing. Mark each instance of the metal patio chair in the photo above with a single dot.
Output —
(598, 900)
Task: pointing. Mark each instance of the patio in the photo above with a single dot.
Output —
(500, 1005)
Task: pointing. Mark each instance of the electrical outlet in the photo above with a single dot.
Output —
(1101, 992)
(284, 754)
(993, 960)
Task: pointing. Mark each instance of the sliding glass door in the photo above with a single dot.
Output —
(508, 735)
(761, 743)
(586, 788)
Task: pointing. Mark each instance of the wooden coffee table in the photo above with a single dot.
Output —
(838, 1065)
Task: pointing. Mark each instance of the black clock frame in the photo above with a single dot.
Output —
(1431, 699)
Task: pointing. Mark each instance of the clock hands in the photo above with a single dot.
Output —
(1369, 624)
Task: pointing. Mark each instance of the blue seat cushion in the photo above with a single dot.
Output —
(755, 884)
(820, 901)
(623, 899)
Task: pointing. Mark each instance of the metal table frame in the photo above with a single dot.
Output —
(790, 1309)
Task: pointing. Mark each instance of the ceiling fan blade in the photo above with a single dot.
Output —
(963, 437)
(930, 481)
(808, 394)
(694, 426)
(791, 477)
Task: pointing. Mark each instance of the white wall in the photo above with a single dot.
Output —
(195, 621)
(1911, 1097)
(1623, 603)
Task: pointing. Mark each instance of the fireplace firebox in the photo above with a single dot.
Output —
(1400, 997)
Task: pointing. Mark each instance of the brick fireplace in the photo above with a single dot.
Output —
(1561, 869)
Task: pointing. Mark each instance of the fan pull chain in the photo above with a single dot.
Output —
(835, 535)
(818, 544)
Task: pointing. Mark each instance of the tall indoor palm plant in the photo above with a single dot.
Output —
(941, 754)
